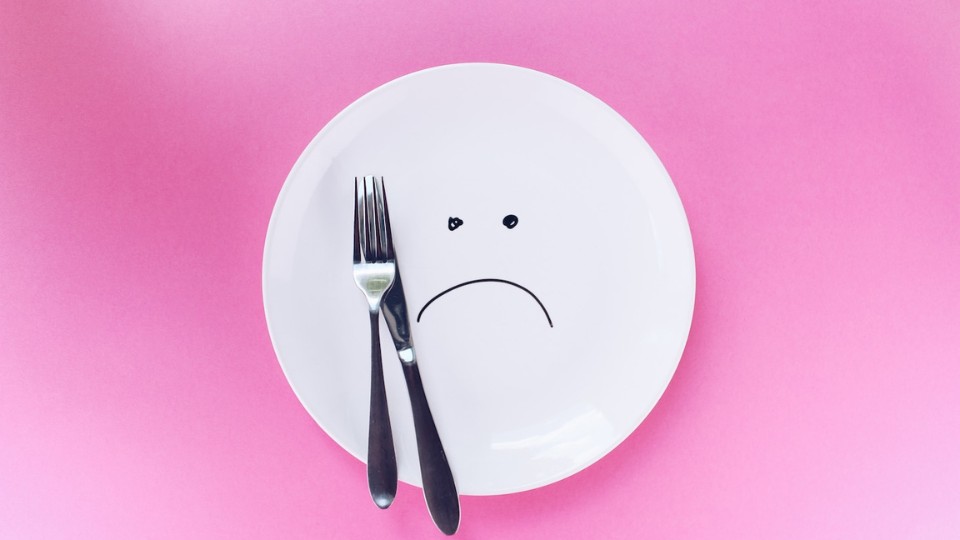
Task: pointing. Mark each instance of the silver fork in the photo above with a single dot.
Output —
(374, 270)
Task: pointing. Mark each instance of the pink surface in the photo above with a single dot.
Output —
(814, 144)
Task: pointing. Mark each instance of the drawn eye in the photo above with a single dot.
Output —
(453, 223)
(510, 221)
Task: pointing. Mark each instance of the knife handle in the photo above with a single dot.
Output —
(381, 456)
(439, 489)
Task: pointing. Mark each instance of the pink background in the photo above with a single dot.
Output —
(815, 145)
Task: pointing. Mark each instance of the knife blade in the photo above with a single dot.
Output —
(394, 308)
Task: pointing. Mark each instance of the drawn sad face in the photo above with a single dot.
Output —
(509, 221)
(477, 271)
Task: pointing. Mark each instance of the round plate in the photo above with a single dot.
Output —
(493, 172)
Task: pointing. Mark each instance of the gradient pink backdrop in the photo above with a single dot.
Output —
(815, 145)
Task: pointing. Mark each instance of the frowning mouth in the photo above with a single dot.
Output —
(488, 280)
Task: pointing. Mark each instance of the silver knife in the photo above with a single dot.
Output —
(439, 489)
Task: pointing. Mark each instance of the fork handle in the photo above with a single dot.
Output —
(381, 456)
(439, 489)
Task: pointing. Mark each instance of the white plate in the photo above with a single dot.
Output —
(601, 240)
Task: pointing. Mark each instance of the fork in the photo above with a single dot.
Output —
(374, 271)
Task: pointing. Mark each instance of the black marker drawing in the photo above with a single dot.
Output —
(510, 221)
(453, 223)
(488, 280)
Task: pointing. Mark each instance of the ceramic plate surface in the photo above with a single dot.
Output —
(493, 172)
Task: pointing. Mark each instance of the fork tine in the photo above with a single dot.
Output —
(381, 218)
(387, 231)
(356, 221)
(371, 211)
(362, 222)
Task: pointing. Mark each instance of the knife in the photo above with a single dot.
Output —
(439, 489)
